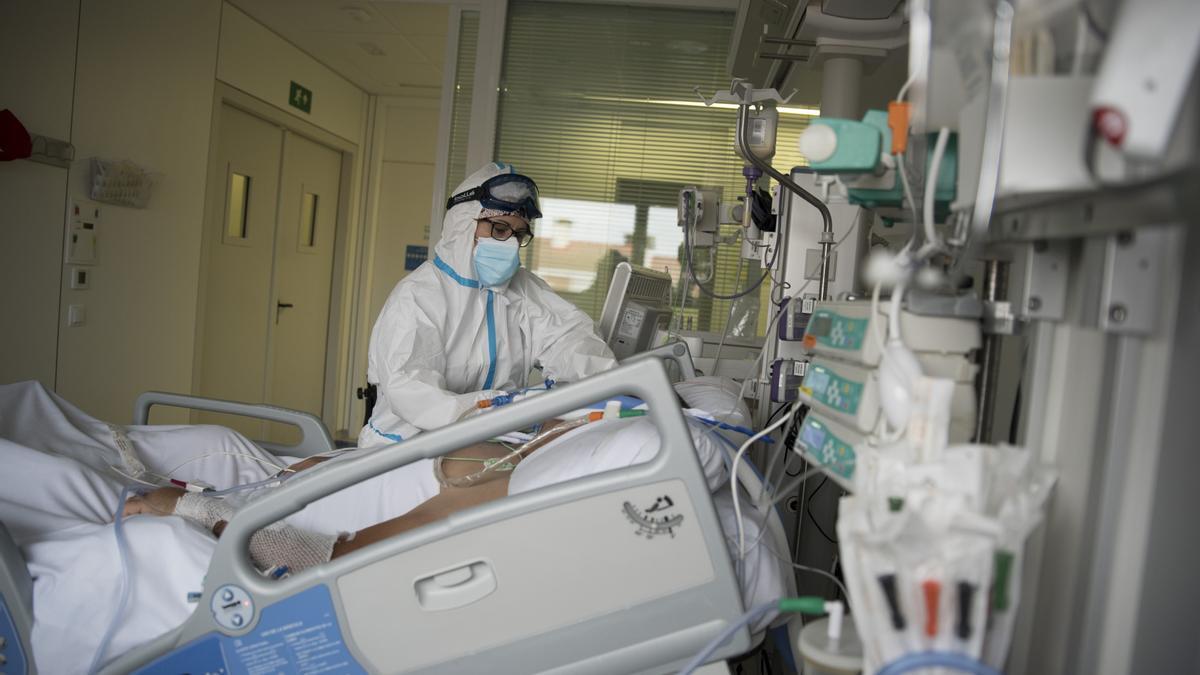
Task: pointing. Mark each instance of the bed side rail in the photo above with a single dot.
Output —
(314, 437)
(16, 610)
(677, 351)
(646, 380)
(660, 634)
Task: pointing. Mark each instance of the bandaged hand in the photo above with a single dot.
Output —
(160, 502)
(278, 544)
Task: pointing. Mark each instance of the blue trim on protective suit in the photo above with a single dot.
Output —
(445, 267)
(491, 324)
(391, 437)
(491, 319)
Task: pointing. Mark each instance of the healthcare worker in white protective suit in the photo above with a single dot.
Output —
(470, 324)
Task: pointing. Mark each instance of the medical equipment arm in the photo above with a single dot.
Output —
(314, 437)
(677, 351)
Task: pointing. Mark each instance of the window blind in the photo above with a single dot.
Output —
(598, 104)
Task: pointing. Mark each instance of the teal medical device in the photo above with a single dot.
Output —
(859, 149)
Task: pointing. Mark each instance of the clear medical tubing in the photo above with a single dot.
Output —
(700, 658)
(959, 662)
(492, 471)
(123, 549)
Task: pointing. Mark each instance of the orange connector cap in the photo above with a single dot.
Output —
(898, 122)
(932, 592)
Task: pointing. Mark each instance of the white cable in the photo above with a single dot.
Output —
(932, 241)
(894, 318)
(776, 461)
(737, 283)
(733, 483)
(687, 281)
(908, 196)
(274, 465)
(894, 337)
(814, 570)
(920, 27)
(784, 491)
(877, 332)
(136, 479)
(1081, 37)
(907, 83)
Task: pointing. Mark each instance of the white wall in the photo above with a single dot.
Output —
(262, 64)
(257, 61)
(39, 93)
(144, 92)
(397, 212)
(406, 182)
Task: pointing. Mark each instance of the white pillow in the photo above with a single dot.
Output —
(717, 396)
(605, 446)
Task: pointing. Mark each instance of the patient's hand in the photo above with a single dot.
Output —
(160, 502)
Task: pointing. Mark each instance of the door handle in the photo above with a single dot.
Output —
(279, 307)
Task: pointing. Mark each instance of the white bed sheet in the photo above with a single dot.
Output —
(57, 496)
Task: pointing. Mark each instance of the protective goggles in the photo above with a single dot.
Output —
(508, 192)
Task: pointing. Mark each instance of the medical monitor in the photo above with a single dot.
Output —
(638, 305)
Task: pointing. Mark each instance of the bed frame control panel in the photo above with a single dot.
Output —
(12, 656)
(298, 634)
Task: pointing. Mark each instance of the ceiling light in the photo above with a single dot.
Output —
(787, 110)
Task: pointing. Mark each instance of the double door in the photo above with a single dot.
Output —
(267, 277)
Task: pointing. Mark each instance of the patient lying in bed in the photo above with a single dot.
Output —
(58, 494)
(296, 549)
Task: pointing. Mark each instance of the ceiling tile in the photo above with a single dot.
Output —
(284, 16)
(432, 48)
(410, 35)
(415, 18)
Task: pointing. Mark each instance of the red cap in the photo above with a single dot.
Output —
(1110, 124)
(15, 142)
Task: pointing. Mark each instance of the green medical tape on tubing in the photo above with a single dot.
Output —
(633, 413)
(808, 604)
(1003, 565)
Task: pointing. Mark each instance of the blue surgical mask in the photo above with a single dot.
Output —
(496, 261)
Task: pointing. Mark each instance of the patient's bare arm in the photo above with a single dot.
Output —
(450, 500)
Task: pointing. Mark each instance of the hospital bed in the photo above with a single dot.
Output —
(574, 577)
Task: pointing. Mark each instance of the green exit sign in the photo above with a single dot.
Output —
(301, 98)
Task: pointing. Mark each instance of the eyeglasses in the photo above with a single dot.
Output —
(501, 231)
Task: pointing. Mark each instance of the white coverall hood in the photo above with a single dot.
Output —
(442, 342)
(457, 244)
